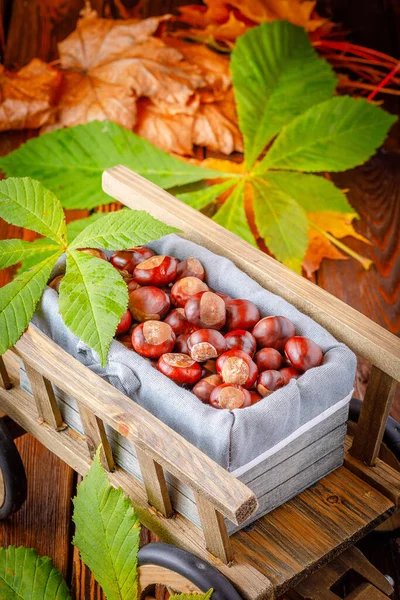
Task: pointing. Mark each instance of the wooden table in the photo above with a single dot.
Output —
(33, 29)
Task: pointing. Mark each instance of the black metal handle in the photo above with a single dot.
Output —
(13, 474)
(197, 571)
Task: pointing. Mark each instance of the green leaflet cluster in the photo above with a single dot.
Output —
(93, 295)
(292, 124)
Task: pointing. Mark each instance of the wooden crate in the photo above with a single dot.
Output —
(292, 540)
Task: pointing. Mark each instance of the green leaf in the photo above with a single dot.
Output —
(313, 192)
(26, 203)
(205, 596)
(92, 299)
(277, 75)
(123, 229)
(232, 215)
(281, 222)
(107, 534)
(71, 162)
(39, 255)
(14, 251)
(18, 301)
(76, 227)
(24, 575)
(335, 135)
(201, 198)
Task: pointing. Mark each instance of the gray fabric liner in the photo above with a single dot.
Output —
(231, 438)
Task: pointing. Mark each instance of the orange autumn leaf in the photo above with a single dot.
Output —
(338, 224)
(26, 97)
(319, 247)
(108, 64)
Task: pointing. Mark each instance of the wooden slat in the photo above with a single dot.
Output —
(155, 484)
(165, 446)
(373, 416)
(214, 529)
(152, 574)
(366, 591)
(4, 378)
(381, 476)
(95, 434)
(360, 333)
(72, 448)
(45, 399)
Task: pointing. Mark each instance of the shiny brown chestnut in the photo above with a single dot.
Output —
(157, 270)
(190, 267)
(133, 285)
(148, 303)
(255, 397)
(230, 396)
(185, 288)
(273, 332)
(303, 353)
(268, 358)
(205, 386)
(178, 321)
(206, 310)
(289, 373)
(126, 340)
(269, 381)
(127, 260)
(240, 339)
(181, 368)
(96, 252)
(241, 314)
(181, 343)
(236, 367)
(204, 344)
(124, 324)
(153, 338)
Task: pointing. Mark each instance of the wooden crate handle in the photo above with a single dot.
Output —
(366, 338)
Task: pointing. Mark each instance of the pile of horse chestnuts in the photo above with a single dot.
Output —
(204, 340)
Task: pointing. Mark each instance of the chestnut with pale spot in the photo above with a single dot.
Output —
(303, 353)
(204, 344)
(190, 267)
(181, 368)
(268, 358)
(157, 270)
(240, 339)
(205, 386)
(289, 373)
(148, 304)
(185, 288)
(206, 310)
(241, 314)
(152, 339)
(236, 367)
(127, 260)
(273, 332)
(230, 396)
(269, 381)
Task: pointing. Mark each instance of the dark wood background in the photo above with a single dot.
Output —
(33, 28)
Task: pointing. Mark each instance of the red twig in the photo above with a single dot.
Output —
(384, 81)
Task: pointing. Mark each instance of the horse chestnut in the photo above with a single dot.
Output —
(255, 397)
(204, 344)
(56, 282)
(178, 321)
(181, 343)
(125, 323)
(206, 310)
(303, 353)
(133, 285)
(268, 358)
(241, 314)
(180, 368)
(157, 270)
(269, 381)
(148, 303)
(190, 267)
(230, 396)
(236, 367)
(185, 288)
(127, 260)
(240, 339)
(204, 387)
(273, 332)
(289, 373)
(126, 340)
(153, 338)
(94, 252)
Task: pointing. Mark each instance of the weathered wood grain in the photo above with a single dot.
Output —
(46, 402)
(96, 436)
(4, 378)
(155, 484)
(214, 530)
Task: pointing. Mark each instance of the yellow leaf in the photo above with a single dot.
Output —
(338, 224)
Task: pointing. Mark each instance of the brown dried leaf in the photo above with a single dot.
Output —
(172, 133)
(319, 247)
(26, 97)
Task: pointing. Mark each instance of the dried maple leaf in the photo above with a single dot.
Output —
(108, 64)
(172, 133)
(26, 99)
